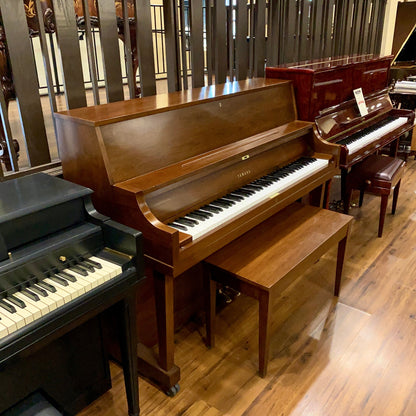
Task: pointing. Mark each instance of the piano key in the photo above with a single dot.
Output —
(59, 280)
(65, 295)
(179, 227)
(78, 270)
(112, 268)
(31, 308)
(38, 290)
(29, 294)
(52, 294)
(66, 276)
(51, 303)
(47, 286)
(3, 330)
(15, 317)
(16, 301)
(23, 312)
(86, 266)
(8, 323)
(7, 306)
(95, 264)
(365, 137)
(186, 222)
(281, 180)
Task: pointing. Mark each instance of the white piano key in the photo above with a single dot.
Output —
(52, 305)
(34, 310)
(41, 307)
(24, 313)
(3, 330)
(8, 323)
(65, 295)
(15, 317)
(112, 268)
(228, 214)
(375, 134)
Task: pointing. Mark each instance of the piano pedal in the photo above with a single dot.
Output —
(228, 294)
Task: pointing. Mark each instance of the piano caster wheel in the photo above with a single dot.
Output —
(173, 390)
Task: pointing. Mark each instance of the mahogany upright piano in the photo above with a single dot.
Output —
(193, 170)
(360, 136)
(320, 84)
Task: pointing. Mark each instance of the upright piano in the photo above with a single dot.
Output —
(323, 83)
(359, 136)
(62, 265)
(193, 170)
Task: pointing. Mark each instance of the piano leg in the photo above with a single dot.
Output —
(345, 198)
(128, 345)
(163, 372)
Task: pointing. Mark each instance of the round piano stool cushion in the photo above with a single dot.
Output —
(377, 175)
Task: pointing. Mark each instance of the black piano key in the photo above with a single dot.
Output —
(242, 192)
(59, 280)
(186, 222)
(30, 295)
(5, 305)
(38, 290)
(179, 226)
(222, 203)
(197, 216)
(211, 208)
(205, 214)
(236, 198)
(18, 302)
(78, 270)
(47, 286)
(93, 263)
(86, 266)
(67, 276)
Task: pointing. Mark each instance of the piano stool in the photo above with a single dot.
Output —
(378, 175)
(265, 260)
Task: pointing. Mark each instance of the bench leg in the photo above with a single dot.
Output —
(210, 305)
(264, 331)
(395, 196)
(340, 264)
(383, 208)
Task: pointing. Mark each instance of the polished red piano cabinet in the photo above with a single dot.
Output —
(320, 84)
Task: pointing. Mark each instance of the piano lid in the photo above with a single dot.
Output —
(29, 194)
(404, 38)
(35, 206)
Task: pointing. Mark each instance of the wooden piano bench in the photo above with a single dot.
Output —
(265, 260)
(378, 175)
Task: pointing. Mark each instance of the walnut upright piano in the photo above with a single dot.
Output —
(193, 170)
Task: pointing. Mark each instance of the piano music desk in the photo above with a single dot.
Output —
(265, 260)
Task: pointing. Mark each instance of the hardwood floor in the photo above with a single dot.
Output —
(352, 356)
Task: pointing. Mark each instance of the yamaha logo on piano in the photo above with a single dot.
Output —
(244, 173)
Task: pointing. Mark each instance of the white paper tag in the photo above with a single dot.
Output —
(359, 97)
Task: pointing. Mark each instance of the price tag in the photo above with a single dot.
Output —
(359, 97)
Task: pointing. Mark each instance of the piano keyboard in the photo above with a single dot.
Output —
(368, 135)
(205, 219)
(38, 299)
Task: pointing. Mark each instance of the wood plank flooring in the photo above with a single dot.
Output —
(352, 356)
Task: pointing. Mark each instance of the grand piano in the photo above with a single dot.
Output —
(404, 42)
(62, 267)
(193, 170)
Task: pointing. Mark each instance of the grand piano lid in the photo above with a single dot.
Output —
(32, 193)
(407, 51)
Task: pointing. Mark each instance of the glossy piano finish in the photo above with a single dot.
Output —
(340, 122)
(169, 155)
(324, 83)
(48, 225)
(344, 120)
